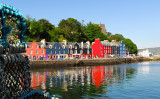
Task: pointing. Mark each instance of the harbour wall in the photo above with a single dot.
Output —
(89, 62)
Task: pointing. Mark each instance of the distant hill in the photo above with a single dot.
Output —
(155, 50)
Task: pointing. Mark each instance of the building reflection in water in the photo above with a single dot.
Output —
(81, 81)
(144, 68)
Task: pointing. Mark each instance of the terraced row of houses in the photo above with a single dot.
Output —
(65, 50)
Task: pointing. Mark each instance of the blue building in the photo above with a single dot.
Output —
(56, 50)
(122, 49)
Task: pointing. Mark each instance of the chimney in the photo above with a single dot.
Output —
(113, 41)
(88, 42)
(97, 40)
(82, 44)
(105, 40)
(65, 42)
(43, 41)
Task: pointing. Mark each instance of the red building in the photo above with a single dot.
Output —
(101, 49)
(35, 50)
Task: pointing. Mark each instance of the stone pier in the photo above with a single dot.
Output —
(89, 62)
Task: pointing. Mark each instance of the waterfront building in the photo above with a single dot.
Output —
(49, 51)
(56, 50)
(101, 49)
(145, 53)
(80, 50)
(87, 51)
(122, 50)
(97, 49)
(115, 48)
(35, 50)
(107, 48)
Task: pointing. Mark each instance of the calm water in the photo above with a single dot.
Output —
(129, 81)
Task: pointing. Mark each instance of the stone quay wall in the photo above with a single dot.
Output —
(89, 62)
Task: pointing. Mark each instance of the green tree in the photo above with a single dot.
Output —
(93, 31)
(47, 26)
(71, 29)
(117, 37)
(130, 46)
(38, 30)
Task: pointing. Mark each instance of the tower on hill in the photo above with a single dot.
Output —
(103, 30)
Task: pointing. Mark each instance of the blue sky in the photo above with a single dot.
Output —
(138, 20)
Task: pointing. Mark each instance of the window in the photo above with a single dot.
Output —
(71, 51)
(81, 51)
(63, 52)
(36, 46)
(55, 52)
(87, 51)
(37, 56)
(75, 47)
(55, 47)
(75, 51)
(30, 52)
(59, 47)
(42, 51)
(101, 47)
(59, 52)
(36, 51)
(31, 46)
(101, 51)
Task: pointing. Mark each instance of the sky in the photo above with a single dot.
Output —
(138, 20)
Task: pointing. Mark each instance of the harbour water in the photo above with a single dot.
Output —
(127, 81)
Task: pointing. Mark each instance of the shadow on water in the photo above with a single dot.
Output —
(80, 82)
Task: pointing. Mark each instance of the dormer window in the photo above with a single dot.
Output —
(63, 46)
(75, 47)
(50, 46)
(71, 46)
(42, 46)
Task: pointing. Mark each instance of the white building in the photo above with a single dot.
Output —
(145, 53)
